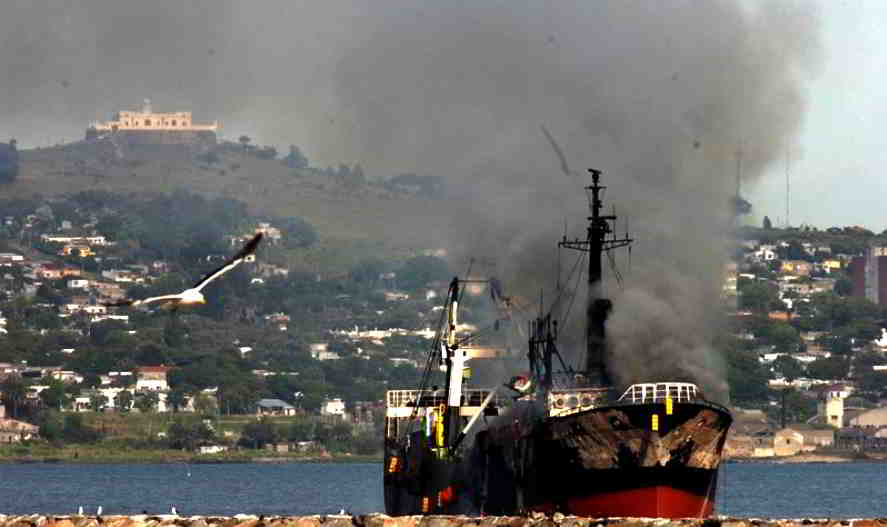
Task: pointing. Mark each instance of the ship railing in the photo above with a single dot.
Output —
(425, 398)
(655, 392)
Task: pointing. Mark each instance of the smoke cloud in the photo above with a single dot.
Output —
(660, 96)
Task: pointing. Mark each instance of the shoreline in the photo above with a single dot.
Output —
(813, 458)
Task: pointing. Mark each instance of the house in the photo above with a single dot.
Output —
(95, 239)
(212, 449)
(48, 272)
(83, 251)
(270, 233)
(12, 431)
(267, 270)
(122, 275)
(8, 259)
(152, 378)
(787, 442)
(90, 309)
(875, 417)
(333, 407)
(68, 376)
(274, 407)
(78, 283)
(765, 253)
(108, 290)
(797, 267)
(320, 351)
(395, 296)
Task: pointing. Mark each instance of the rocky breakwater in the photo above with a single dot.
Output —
(381, 520)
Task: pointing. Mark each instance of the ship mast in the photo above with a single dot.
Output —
(599, 239)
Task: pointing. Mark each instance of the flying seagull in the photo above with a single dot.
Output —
(193, 295)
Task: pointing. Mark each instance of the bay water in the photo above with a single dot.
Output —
(749, 490)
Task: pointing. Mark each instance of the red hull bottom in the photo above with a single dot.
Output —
(651, 502)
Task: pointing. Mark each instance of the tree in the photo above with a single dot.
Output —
(788, 367)
(783, 337)
(244, 141)
(8, 162)
(259, 433)
(205, 404)
(843, 286)
(14, 393)
(176, 399)
(419, 271)
(51, 425)
(56, 396)
(830, 368)
(746, 377)
(295, 159)
(147, 401)
(76, 431)
(98, 401)
(187, 436)
(301, 430)
(767, 223)
(123, 401)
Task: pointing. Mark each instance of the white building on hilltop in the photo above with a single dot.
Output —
(147, 119)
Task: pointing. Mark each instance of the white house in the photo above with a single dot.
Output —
(152, 378)
(334, 407)
(78, 283)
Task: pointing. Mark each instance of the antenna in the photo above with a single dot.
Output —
(787, 187)
(738, 185)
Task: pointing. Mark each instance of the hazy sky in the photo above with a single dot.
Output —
(837, 174)
(288, 79)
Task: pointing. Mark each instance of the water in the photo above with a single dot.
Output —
(762, 490)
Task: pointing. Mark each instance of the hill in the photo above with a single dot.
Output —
(354, 221)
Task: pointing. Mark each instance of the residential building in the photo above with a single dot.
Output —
(12, 431)
(333, 407)
(78, 283)
(320, 351)
(831, 408)
(797, 267)
(875, 417)
(274, 407)
(8, 259)
(122, 275)
(869, 275)
(152, 378)
(83, 251)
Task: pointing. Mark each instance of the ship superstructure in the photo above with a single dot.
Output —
(557, 438)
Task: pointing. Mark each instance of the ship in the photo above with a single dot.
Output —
(557, 438)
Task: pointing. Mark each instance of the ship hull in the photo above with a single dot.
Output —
(603, 462)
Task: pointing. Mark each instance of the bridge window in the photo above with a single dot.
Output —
(147, 122)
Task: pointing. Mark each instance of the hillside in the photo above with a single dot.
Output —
(353, 223)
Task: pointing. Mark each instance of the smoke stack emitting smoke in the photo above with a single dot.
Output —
(659, 96)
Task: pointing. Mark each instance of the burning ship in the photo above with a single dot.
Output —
(557, 439)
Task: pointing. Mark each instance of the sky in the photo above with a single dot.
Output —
(658, 96)
(835, 173)
(834, 167)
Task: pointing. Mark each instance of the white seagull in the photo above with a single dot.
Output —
(98, 512)
(193, 295)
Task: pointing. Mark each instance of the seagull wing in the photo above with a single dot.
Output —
(152, 299)
(248, 249)
(149, 300)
